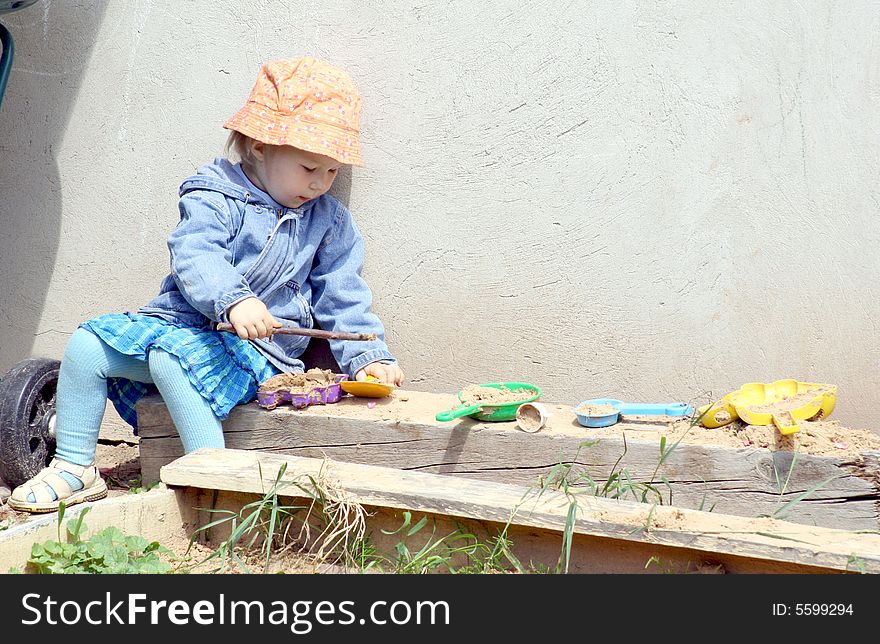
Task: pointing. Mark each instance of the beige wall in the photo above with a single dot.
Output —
(650, 201)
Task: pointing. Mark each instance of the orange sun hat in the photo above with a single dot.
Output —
(305, 103)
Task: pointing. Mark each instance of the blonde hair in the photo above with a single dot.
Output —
(241, 146)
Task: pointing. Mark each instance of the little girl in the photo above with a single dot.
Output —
(259, 245)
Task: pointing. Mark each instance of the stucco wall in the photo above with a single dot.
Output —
(650, 201)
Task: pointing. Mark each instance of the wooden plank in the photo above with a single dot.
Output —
(536, 548)
(403, 434)
(620, 521)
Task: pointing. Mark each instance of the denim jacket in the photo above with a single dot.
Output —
(234, 241)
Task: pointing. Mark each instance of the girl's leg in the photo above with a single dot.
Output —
(190, 411)
(82, 393)
(81, 398)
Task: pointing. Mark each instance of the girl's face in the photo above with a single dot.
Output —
(293, 176)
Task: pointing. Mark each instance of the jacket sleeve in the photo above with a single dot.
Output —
(341, 299)
(201, 258)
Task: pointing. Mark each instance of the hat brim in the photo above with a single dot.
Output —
(262, 124)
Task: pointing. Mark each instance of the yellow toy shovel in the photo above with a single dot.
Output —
(369, 388)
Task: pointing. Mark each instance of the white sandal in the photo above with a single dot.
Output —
(49, 480)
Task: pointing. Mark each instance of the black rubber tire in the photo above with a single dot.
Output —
(27, 403)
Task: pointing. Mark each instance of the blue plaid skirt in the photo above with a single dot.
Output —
(223, 368)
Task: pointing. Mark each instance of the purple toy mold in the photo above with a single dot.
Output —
(317, 396)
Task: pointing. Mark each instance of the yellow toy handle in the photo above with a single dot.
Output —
(785, 423)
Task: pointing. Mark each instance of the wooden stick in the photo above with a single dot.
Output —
(312, 333)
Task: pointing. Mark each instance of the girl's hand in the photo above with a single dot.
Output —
(251, 319)
(390, 374)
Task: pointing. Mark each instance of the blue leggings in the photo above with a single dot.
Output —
(82, 396)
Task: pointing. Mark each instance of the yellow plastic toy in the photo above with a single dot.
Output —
(369, 388)
(782, 403)
(717, 414)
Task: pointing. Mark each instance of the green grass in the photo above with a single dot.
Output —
(324, 524)
(856, 564)
(106, 552)
(329, 530)
(783, 510)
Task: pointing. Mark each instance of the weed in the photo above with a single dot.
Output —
(106, 552)
(434, 553)
(704, 567)
(648, 524)
(854, 562)
(618, 485)
(338, 524)
(325, 525)
(702, 506)
(140, 489)
(782, 511)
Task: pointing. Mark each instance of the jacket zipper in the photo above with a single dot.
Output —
(262, 254)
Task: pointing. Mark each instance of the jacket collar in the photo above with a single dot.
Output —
(223, 177)
(230, 180)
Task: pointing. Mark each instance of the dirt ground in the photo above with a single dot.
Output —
(473, 394)
(197, 558)
(120, 465)
(819, 438)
